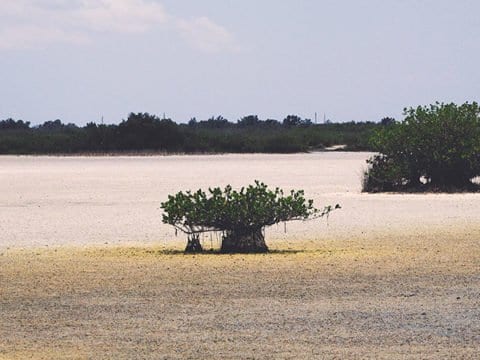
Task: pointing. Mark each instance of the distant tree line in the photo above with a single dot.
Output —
(144, 132)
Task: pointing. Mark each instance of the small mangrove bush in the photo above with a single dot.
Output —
(240, 216)
(435, 148)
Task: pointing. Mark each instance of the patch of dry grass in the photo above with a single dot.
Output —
(405, 297)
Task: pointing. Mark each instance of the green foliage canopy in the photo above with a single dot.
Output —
(440, 143)
(253, 207)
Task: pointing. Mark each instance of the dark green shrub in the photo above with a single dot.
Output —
(241, 216)
(384, 175)
(439, 143)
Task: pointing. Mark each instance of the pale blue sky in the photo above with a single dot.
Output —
(79, 60)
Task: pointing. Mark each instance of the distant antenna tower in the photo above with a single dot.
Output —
(315, 117)
(102, 120)
(324, 118)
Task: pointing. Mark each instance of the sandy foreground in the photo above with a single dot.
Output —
(87, 270)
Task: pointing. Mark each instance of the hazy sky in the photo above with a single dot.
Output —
(79, 60)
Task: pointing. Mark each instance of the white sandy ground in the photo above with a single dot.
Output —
(51, 201)
(391, 276)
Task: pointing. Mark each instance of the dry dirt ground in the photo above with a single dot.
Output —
(388, 297)
(87, 269)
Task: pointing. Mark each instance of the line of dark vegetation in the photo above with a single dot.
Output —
(143, 132)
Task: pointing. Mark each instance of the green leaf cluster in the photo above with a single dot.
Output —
(252, 207)
(439, 143)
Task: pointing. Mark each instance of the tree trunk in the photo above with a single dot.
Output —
(193, 244)
(244, 241)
